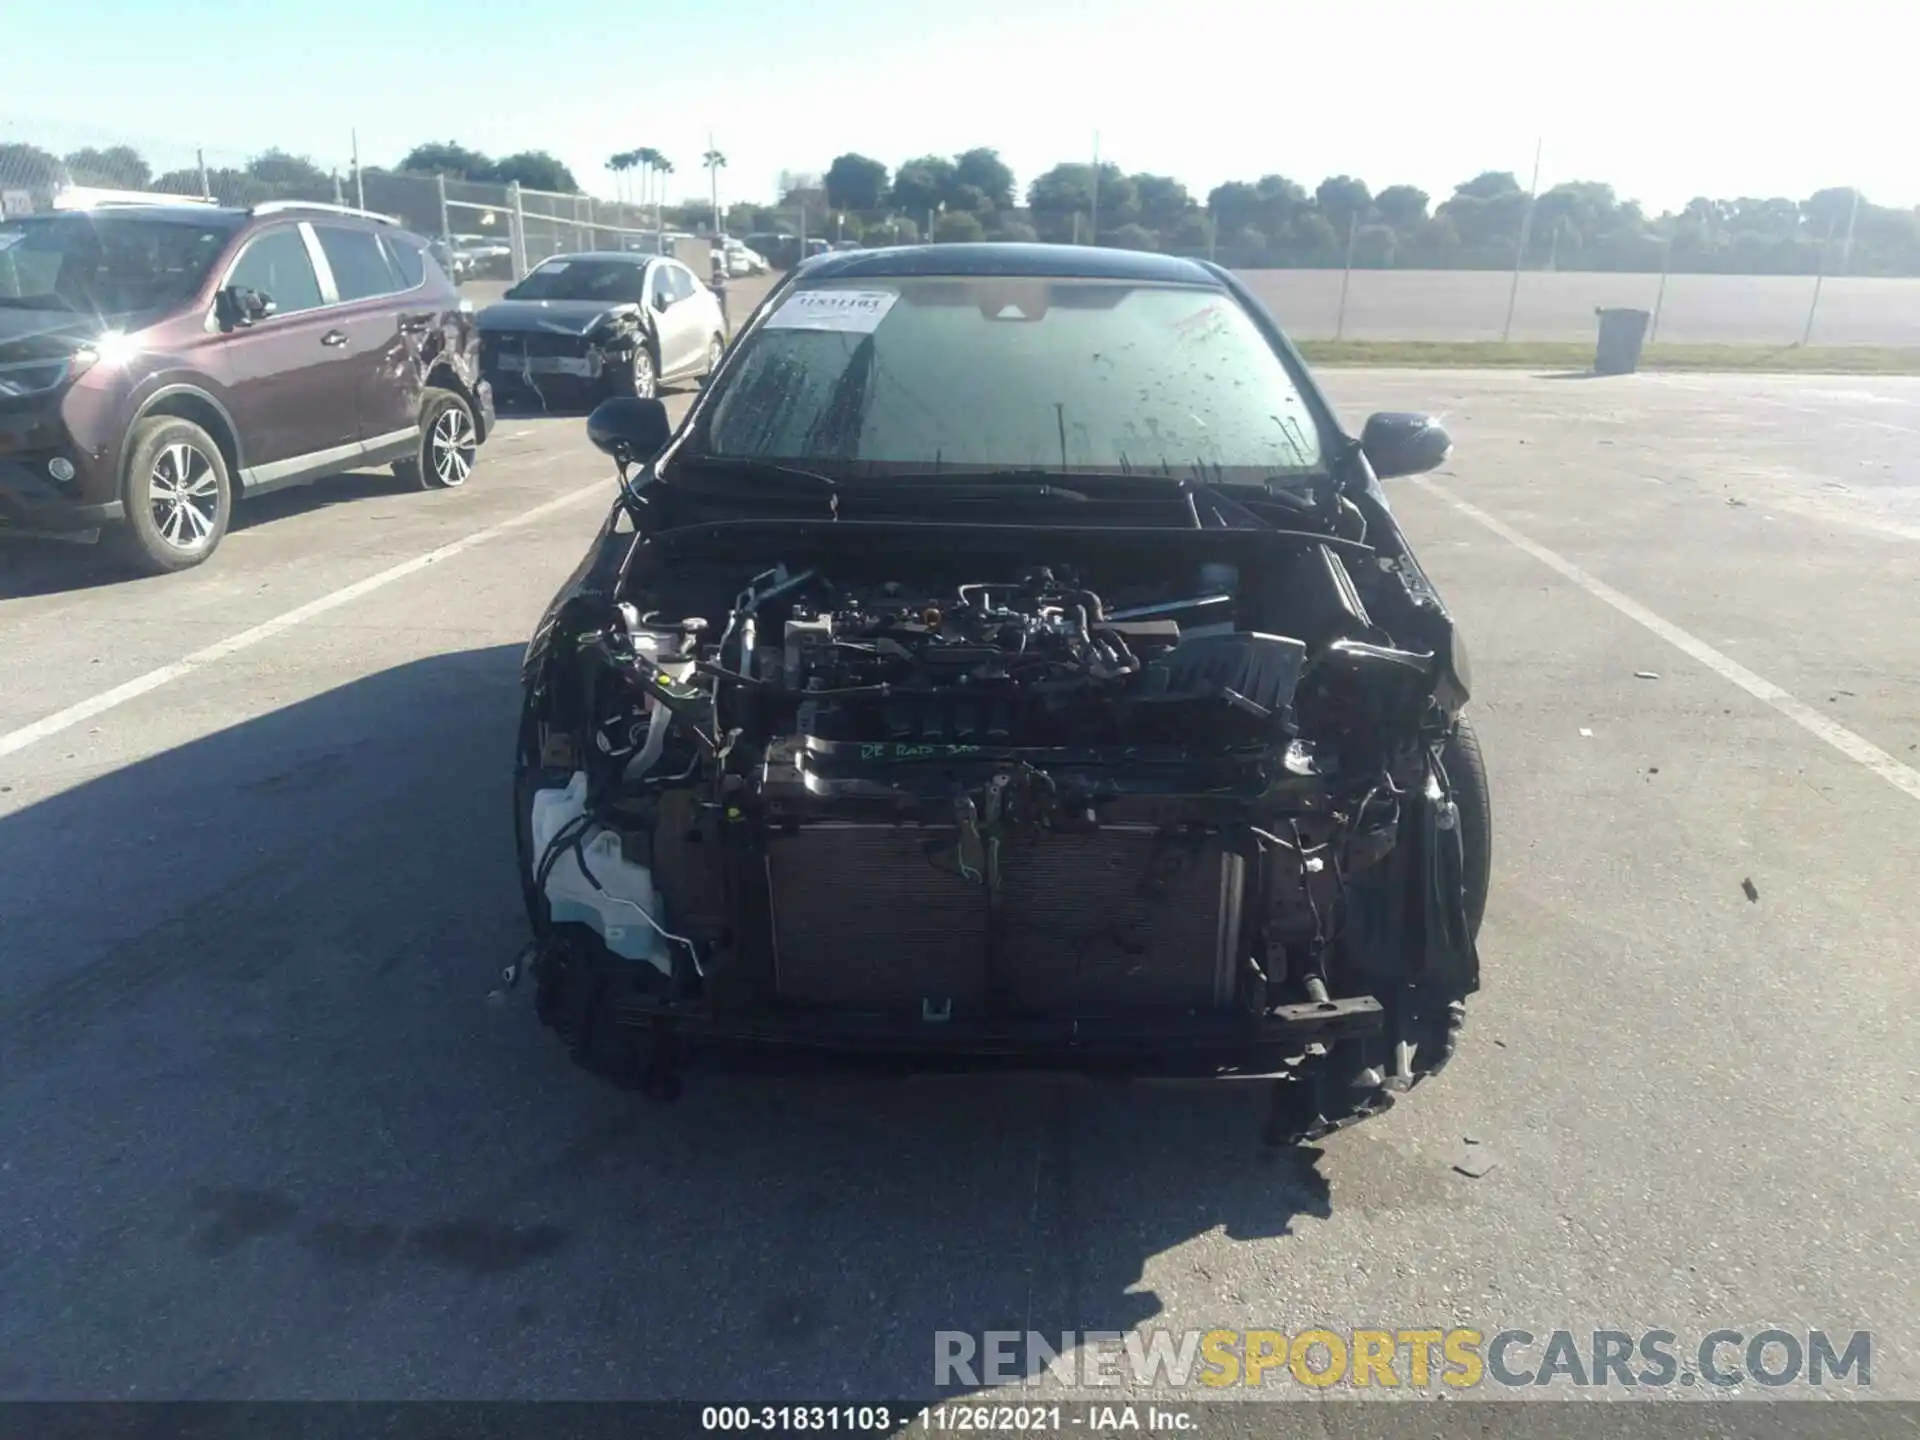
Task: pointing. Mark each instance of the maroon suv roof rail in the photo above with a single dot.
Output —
(275, 207)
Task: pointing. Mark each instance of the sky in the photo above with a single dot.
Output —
(1662, 100)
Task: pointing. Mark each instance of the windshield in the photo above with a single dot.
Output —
(106, 264)
(986, 373)
(610, 281)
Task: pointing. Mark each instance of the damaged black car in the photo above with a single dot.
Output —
(1008, 658)
(601, 323)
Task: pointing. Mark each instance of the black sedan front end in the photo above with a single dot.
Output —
(1113, 769)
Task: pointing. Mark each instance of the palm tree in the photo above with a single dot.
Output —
(648, 157)
(619, 164)
(662, 168)
(715, 163)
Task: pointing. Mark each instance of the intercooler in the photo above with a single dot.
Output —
(879, 918)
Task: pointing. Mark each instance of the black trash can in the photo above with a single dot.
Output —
(1622, 333)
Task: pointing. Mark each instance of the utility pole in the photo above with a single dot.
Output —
(206, 191)
(359, 188)
(1094, 237)
(1346, 278)
(1819, 278)
(1526, 230)
(1660, 295)
(713, 183)
(1846, 246)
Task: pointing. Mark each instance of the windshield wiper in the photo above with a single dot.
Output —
(752, 468)
(908, 489)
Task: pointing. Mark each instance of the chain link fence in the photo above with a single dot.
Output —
(493, 232)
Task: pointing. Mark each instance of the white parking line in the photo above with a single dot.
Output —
(20, 739)
(1865, 752)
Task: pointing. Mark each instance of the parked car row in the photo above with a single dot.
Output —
(786, 251)
(162, 359)
(742, 260)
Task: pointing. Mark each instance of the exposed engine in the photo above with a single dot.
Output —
(1100, 803)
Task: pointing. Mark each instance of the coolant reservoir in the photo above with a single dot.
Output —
(616, 910)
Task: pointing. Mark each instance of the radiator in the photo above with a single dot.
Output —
(876, 917)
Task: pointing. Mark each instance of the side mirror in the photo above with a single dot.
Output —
(629, 429)
(237, 305)
(1397, 443)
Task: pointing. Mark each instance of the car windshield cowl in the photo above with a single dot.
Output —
(1185, 502)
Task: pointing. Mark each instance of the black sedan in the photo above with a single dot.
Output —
(1009, 657)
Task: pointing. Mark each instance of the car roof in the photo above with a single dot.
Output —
(995, 258)
(188, 213)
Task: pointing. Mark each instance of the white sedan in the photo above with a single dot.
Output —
(625, 323)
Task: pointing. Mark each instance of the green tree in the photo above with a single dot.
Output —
(446, 157)
(117, 166)
(293, 175)
(1313, 234)
(1825, 211)
(535, 169)
(1280, 200)
(1015, 232)
(958, 226)
(986, 172)
(30, 166)
(855, 182)
(178, 182)
(1057, 196)
(1578, 211)
(1402, 207)
(970, 198)
(1436, 236)
(1490, 185)
(1486, 212)
(1163, 202)
(1776, 218)
(1119, 200)
(1134, 236)
(920, 185)
(227, 185)
(1193, 231)
(1342, 200)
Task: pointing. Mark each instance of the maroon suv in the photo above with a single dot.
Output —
(159, 362)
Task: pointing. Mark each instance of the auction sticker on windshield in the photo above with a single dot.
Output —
(857, 312)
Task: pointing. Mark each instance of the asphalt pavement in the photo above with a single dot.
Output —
(271, 1131)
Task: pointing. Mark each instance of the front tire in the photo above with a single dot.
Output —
(1467, 775)
(449, 444)
(638, 377)
(178, 497)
